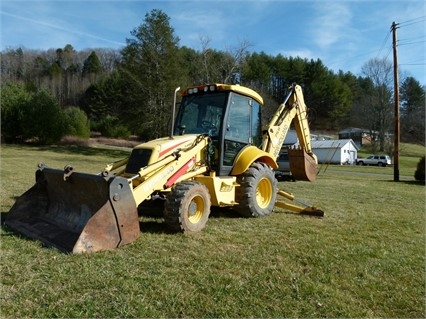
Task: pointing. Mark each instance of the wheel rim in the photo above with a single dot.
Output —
(196, 209)
(264, 193)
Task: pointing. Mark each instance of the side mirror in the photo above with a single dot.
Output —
(181, 129)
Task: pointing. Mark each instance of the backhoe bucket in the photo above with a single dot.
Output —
(303, 166)
(76, 212)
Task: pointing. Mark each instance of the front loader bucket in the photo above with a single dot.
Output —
(303, 166)
(76, 212)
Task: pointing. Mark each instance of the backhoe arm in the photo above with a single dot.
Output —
(303, 162)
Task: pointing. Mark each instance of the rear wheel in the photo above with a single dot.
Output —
(187, 207)
(257, 192)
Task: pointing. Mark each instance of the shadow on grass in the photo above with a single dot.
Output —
(155, 227)
(224, 212)
(152, 220)
(2, 218)
(410, 182)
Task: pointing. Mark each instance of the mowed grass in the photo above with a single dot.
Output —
(365, 258)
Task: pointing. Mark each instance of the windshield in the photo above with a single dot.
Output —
(201, 113)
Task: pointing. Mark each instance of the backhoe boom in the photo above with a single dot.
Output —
(303, 162)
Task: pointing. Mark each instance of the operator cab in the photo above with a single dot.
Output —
(229, 114)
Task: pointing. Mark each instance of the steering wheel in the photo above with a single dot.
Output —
(207, 125)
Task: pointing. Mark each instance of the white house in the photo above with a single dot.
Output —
(291, 138)
(335, 151)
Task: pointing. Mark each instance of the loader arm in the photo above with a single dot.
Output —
(182, 164)
(79, 212)
(303, 162)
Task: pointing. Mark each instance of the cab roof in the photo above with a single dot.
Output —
(223, 87)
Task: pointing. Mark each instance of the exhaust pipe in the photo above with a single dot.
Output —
(172, 126)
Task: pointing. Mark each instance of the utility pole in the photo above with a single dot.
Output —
(396, 97)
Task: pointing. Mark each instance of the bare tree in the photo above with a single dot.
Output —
(222, 66)
(378, 104)
(206, 53)
(235, 65)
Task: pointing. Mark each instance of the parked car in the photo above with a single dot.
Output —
(283, 171)
(379, 160)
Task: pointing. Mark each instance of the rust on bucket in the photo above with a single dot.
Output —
(76, 212)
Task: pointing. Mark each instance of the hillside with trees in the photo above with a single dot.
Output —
(49, 94)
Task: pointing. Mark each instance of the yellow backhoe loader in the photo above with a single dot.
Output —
(217, 154)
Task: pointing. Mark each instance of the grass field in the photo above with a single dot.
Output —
(365, 258)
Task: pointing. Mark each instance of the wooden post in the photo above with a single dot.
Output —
(396, 98)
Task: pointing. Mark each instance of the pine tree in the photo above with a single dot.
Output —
(150, 73)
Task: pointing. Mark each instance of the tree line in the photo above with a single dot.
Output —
(129, 91)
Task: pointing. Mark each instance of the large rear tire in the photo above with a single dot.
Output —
(187, 207)
(257, 192)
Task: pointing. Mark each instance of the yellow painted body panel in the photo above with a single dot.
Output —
(221, 189)
(227, 87)
(250, 154)
(165, 145)
(155, 176)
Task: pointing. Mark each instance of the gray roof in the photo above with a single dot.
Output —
(291, 138)
(332, 143)
(353, 130)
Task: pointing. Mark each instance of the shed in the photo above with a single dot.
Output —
(335, 151)
(291, 138)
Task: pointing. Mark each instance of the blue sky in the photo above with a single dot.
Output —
(342, 34)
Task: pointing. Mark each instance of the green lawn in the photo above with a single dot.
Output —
(365, 258)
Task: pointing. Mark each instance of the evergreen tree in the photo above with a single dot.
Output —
(43, 118)
(104, 98)
(412, 111)
(92, 64)
(14, 99)
(75, 123)
(150, 73)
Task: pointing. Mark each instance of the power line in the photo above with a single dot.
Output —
(412, 21)
(408, 43)
(385, 49)
(383, 45)
(412, 64)
(411, 40)
(388, 53)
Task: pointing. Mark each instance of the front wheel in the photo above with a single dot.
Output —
(257, 192)
(187, 207)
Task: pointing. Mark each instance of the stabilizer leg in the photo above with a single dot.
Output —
(306, 209)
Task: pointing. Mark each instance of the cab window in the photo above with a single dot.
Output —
(242, 126)
(201, 114)
(238, 122)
